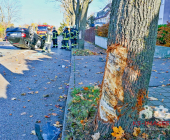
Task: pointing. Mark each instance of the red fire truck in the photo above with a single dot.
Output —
(42, 29)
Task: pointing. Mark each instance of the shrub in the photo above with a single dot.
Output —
(103, 30)
(163, 35)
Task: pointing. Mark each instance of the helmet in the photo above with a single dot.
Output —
(49, 28)
(66, 27)
(74, 26)
(53, 28)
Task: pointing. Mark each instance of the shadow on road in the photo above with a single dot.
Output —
(17, 65)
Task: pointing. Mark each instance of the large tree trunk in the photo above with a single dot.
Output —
(131, 45)
(82, 22)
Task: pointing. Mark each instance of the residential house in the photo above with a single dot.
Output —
(103, 16)
(164, 14)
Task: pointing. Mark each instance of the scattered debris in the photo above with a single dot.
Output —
(47, 95)
(23, 113)
(33, 132)
(152, 98)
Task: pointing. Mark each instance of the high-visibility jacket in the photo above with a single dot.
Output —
(66, 35)
(48, 36)
(76, 33)
(55, 34)
(72, 32)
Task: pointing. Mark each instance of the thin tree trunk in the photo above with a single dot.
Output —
(131, 45)
(82, 21)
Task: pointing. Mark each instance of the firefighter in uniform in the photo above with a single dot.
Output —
(48, 40)
(66, 36)
(62, 42)
(72, 36)
(76, 33)
(55, 34)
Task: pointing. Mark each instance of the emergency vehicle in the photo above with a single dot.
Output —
(42, 29)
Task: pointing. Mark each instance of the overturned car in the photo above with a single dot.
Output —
(24, 38)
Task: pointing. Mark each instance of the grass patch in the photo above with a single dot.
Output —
(78, 52)
(82, 110)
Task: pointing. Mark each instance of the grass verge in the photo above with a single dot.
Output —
(82, 110)
(78, 52)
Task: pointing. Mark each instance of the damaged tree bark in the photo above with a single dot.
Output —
(131, 45)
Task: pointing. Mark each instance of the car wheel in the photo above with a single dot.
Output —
(27, 43)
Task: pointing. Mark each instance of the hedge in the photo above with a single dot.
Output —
(163, 35)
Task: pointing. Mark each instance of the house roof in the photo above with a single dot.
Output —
(103, 13)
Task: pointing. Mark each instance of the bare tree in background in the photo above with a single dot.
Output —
(10, 11)
(76, 11)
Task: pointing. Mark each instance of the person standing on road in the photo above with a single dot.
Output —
(76, 33)
(62, 42)
(66, 36)
(72, 36)
(55, 34)
(48, 40)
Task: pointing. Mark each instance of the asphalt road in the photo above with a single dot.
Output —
(25, 77)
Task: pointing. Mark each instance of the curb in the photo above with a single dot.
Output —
(71, 86)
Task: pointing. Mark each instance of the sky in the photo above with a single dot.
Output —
(40, 11)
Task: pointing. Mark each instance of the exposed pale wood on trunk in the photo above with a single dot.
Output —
(131, 46)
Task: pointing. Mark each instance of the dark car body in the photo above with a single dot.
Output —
(21, 38)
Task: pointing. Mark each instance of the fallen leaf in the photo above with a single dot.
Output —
(54, 114)
(24, 106)
(48, 83)
(57, 106)
(38, 121)
(96, 136)
(61, 97)
(36, 92)
(10, 114)
(55, 76)
(163, 85)
(31, 116)
(118, 132)
(91, 95)
(60, 88)
(136, 131)
(23, 94)
(162, 100)
(86, 88)
(81, 83)
(57, 124)
(46, 116)
(144, 135)
(75, 101)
